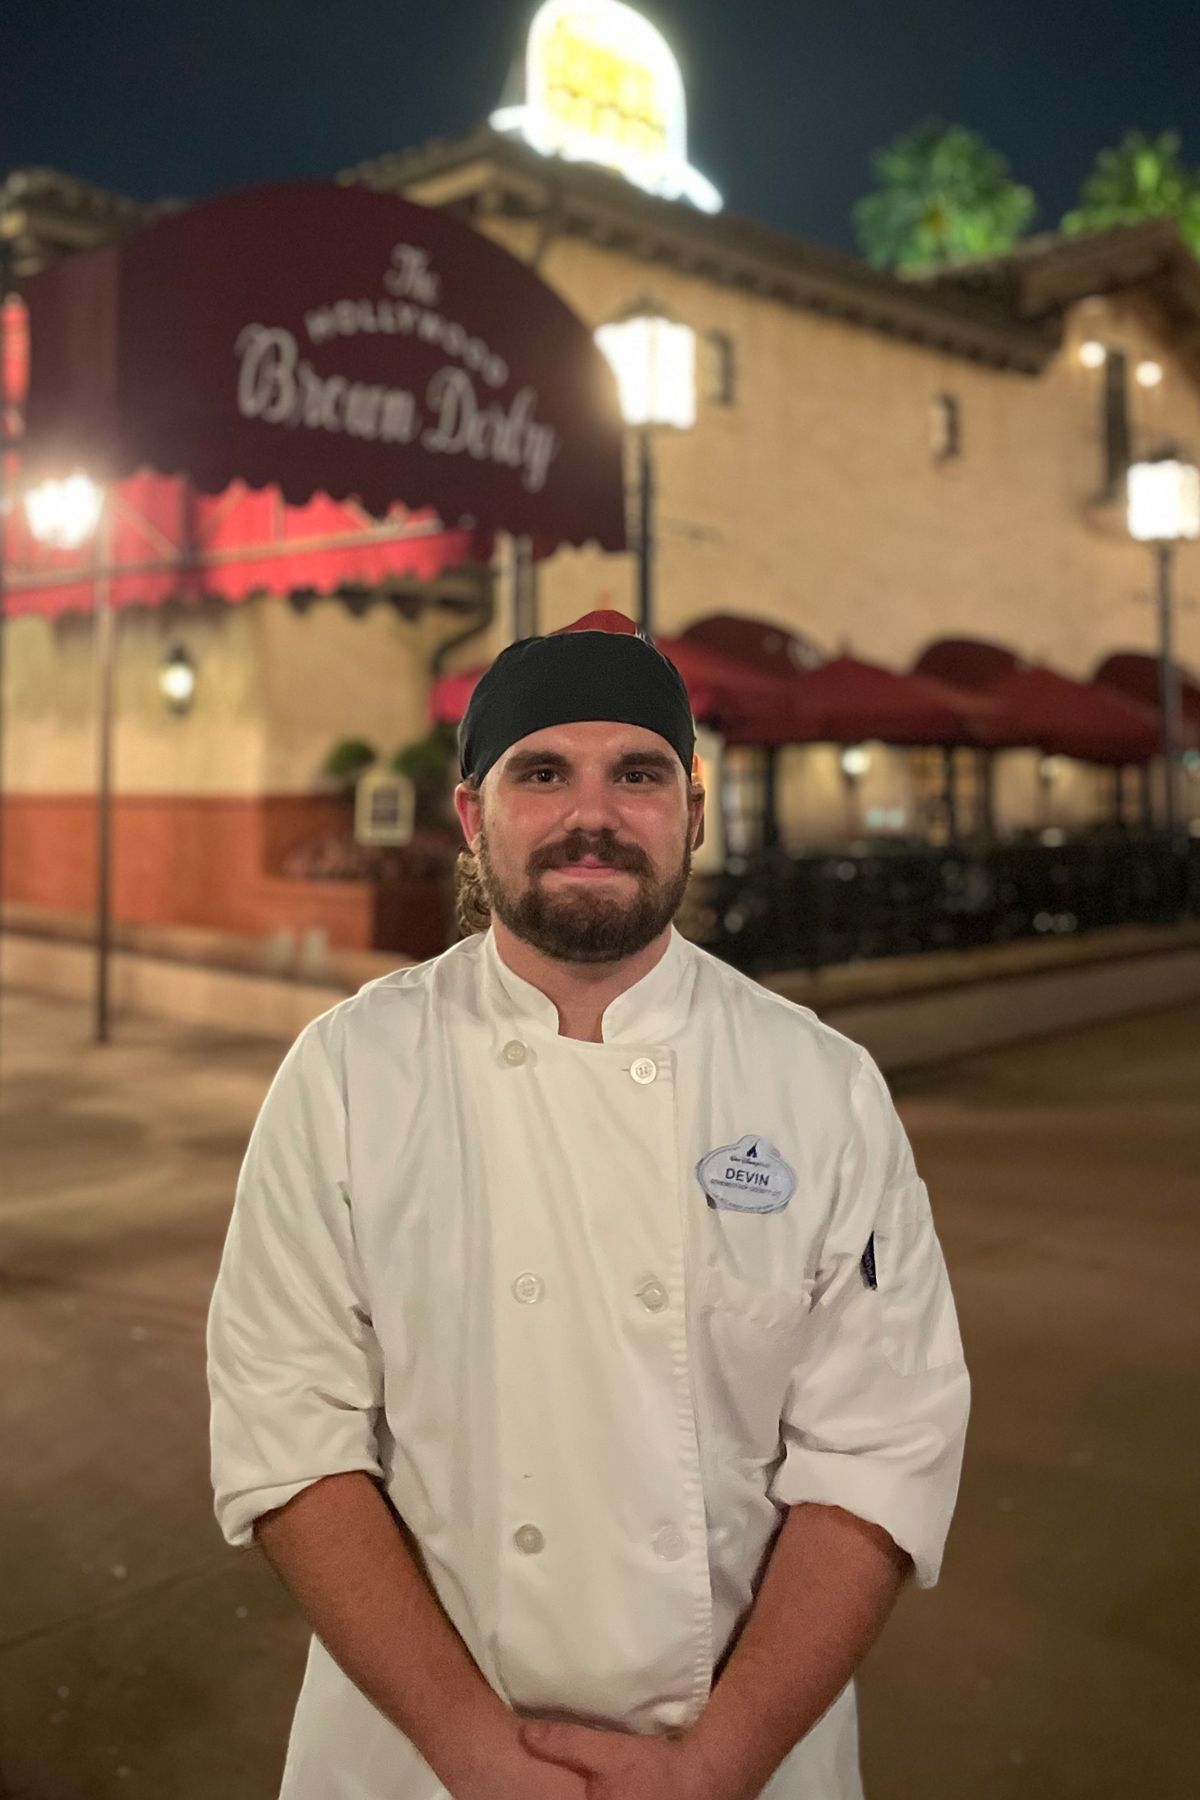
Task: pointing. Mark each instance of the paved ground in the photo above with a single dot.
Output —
(1057, 1661)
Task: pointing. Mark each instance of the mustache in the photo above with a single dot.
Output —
(603, 845)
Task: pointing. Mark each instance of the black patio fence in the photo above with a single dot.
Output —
(775, 909)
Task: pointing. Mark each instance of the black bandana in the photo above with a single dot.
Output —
(571, 677)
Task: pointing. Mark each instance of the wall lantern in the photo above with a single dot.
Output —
(856, 760)
(177, 681)
(64, 514)
(1148, 374)
(1164, 508)
(1092, 354)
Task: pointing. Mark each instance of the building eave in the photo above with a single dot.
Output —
(45, 214)
(1148, 262)
(488, 173)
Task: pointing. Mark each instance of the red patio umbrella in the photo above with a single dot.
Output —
(732, 699)
(1137, 675)
(325, 346)
(744, 704)
(775, 649)
(1071, 718)
(1039, 708)
(846, 701)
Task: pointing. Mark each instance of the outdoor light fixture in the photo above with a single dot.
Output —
(602, 85)
(1163, 508)
(654, 361)
(63, 514)
(856, 760)
(1092, 354)
(1148, 374)
(1163, 501)
(177, 680)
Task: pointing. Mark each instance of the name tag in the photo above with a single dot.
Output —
(749, 1176)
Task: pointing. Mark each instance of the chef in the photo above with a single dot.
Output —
(582, 1355)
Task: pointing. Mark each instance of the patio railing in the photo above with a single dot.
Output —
(778, 910)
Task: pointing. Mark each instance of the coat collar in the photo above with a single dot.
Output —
(652, 1009)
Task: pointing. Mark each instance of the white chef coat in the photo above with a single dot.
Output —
(475, 1259)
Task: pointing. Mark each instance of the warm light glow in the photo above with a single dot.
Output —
(602, 86)
(1092, 354)
(1148, 374)
(709, 858)
(62, 514)
(856, 761)
(1163, 501)
(654, 361)
(177, 680)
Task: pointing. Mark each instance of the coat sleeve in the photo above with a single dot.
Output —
(295, 1373)
(877, 1408)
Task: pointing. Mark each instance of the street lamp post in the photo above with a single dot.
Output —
(1163, 507)
(63, 515)
(654, 361)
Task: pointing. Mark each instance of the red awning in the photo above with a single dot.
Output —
(1042, 709)
(451, 695)
(172, 543)
(333, 341)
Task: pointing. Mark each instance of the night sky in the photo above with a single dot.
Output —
(787, 98)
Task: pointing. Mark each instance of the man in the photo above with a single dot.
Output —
(582, 1355)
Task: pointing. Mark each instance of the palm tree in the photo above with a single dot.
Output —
(944, 197)
(1143, 178)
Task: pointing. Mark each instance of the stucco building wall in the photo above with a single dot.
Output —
(814, 498)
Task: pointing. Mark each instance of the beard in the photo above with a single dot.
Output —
(587, 927)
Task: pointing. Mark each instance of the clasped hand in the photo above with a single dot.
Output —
(617, 1765)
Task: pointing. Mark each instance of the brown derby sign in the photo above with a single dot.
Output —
(329, 339)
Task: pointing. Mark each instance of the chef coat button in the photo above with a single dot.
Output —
(644, 1070)
(653, 1296)
(514, 1053)
(670, 1543)
(528, 1288)
(528, 1540)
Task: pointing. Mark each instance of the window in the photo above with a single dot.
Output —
(1115, 423)
(945, 428)
(717, 368)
